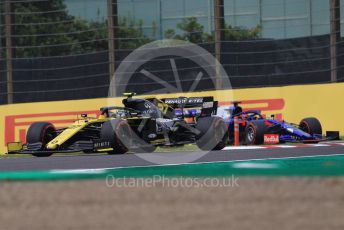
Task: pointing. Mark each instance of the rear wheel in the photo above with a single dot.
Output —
(118, 133)
(311, 125)
(213, 133)
(38, 135)
(254, 133)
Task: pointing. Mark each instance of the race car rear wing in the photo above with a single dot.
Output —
(207, 104)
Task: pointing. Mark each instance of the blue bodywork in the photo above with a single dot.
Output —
(187, 113)
(288, 132)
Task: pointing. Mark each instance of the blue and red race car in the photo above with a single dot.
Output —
(255, 129)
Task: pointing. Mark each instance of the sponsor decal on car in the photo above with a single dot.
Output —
(271, 139)
(101, 144)
(192, 100)
(290, 130)
(208, 104)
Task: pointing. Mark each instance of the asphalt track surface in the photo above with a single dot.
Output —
(95, 161)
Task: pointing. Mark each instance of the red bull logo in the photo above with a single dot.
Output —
(271, 139)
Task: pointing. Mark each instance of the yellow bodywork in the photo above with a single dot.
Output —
(161, 105)
(14, 147)
(72, 130)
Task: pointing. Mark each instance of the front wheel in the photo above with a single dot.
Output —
(38, 135)
(254, 133)
(311, 125)
(118, 133)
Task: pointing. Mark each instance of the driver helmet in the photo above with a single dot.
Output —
(235, 108)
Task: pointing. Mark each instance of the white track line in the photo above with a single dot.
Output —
(249, 165)
(192, 163)
(243, 147)
(280, 146)
(285, 146)
(319, 145)
(80, 171)
(101, 170)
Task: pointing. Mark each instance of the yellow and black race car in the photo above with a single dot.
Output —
(139, 126)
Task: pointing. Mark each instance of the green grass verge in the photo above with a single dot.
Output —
(303, 166)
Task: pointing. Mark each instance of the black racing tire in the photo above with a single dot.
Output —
(42, 132)
(311, 125)
(118, 133)
(213, 133)
(254, 133)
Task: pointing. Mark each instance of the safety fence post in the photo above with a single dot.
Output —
(236, 131)
(219, 17)
(112, 35)
(9, 50)
(334, 37)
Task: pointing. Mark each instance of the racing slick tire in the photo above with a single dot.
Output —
(311, 125)
(40, 132)
(254, 133)
(118, 133)
(213, 133)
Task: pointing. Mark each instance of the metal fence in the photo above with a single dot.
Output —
(49, 53)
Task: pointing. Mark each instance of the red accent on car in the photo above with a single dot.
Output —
(267, 123)
(271, 139)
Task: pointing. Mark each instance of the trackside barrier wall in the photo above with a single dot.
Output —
(291, 103)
